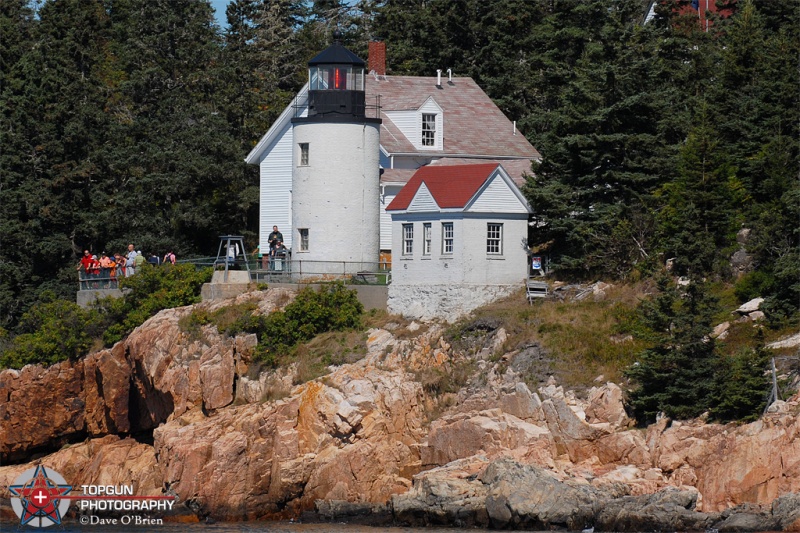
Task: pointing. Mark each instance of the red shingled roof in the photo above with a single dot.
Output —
(515, 168)
(451, 186)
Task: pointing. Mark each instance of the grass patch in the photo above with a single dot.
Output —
(447, 379)
(583, 339)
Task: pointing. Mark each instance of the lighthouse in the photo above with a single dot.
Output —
(335, 168)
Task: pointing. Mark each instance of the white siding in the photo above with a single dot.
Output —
(389, 192)
(423, 200)
(434, 268)
(497, 197)
(509, 267)
(408, 122)
(276, 185)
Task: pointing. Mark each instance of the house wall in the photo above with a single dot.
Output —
(497, 197)
(448, 286)
(389, 191)
(275, 192)
(337, 195)
(469, 263)
(509, 267)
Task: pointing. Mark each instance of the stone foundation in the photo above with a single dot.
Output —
(448, 302)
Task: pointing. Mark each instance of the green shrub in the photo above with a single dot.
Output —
(330, 308)
(754, 284)
(51, 332)
(148, 292)
(55, 330)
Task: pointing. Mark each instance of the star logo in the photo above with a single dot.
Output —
(38, 499)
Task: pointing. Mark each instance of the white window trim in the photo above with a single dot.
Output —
(427, 235)
(446, 225)
(490, 239)
(431, 132)
(408, 240)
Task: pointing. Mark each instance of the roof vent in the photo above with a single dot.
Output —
(450, 76)
(439, 78)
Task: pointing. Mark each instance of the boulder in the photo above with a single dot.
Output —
(667, 510)
(605, 405)
(522, 404)
(489, 433)
(528, 497)
(107, 378)
(749, 307)
(786, 512)
(720, 331)
(450, 495)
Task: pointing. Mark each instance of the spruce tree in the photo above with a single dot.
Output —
(677, 375)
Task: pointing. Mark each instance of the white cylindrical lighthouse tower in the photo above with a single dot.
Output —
(335, 168)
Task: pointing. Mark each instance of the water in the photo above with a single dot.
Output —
(72, 526)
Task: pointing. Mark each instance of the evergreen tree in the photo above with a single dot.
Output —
(174, 173)
(605, 147)
(697, 220)
(17, 26)
(742, 385)
(53, 119)
(677, 375)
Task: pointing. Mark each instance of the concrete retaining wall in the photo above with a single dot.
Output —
(88, 297)
(370, 296)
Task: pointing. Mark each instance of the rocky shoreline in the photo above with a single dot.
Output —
(186, 414)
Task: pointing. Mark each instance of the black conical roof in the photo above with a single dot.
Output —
(336, 54)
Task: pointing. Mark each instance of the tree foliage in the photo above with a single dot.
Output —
(55, 330)
(128, 121)
(683, 374)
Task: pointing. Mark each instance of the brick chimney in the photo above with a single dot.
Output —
(377, 57)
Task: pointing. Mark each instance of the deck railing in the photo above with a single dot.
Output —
(271, 271)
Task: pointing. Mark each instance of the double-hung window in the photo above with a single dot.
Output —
(426, 238)
(447, 237)
(428, 129)
(408, 239)
(494, 238)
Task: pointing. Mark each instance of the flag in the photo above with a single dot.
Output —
(696, 5)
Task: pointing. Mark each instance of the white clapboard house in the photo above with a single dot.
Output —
(316, 161)
(459, 240)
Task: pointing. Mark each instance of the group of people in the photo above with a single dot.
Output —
(277, 251)
(103, 272)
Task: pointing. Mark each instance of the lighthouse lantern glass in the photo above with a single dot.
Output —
(336, 78)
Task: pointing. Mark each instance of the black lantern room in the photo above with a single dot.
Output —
(336, 83)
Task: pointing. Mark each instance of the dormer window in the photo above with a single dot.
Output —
(428, 129)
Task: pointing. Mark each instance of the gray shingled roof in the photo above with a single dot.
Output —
(473, 125)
